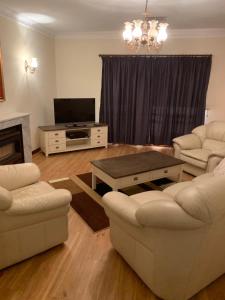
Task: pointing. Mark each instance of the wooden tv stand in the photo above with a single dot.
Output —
(54, 139)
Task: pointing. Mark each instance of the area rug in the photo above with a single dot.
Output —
(89, 210)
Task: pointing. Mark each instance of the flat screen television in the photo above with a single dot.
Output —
(74, 110)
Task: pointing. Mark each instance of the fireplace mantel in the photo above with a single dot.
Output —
(12, 119)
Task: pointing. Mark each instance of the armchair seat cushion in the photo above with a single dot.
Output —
(145, 197)
(174, 189)
(32, 190)
(198, 157)
(36, 198)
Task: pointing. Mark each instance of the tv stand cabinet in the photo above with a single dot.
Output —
(55, 139)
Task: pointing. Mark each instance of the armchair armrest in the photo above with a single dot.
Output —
(167, 215)
(220, 154)
(5, 199)
(15, 176)
(188, 141)
(121, 205)
(37, 204)
(214, 159)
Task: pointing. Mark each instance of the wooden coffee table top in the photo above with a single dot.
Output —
(131, 164)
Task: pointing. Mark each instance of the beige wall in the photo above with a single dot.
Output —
(78, 66)
(27, 92)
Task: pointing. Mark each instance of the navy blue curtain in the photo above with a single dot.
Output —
(152, 99)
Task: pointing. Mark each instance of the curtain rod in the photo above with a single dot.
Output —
(155, 55)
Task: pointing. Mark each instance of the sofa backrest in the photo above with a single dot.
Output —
(216, 131)
(204, 200)
(214, 145)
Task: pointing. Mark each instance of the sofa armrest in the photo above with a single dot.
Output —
(122, 206)
(188, 141)
(5, 198)
(31, 205)
(214, 159)
(220, 154)
(15, 176)
(166, 214)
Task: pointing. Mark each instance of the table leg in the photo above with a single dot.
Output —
(93, 181)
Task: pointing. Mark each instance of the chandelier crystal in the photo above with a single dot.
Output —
(148, 33)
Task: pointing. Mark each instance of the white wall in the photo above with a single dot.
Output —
(78, 66)
(25, 92)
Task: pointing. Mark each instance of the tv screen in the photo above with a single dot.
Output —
(74, 110)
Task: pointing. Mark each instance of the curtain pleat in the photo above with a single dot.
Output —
(152, 99)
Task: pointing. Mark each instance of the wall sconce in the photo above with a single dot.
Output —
(32, 66)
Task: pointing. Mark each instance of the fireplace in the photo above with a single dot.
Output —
(11, 145)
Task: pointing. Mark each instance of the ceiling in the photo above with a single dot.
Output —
(63, 17)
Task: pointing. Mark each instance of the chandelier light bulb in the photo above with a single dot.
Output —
(162, 35)
(127, 34)
(137, 32)
(153, 32)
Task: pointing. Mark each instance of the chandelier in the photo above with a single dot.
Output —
(149, 33)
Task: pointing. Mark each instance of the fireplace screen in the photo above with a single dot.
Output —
(11, 145)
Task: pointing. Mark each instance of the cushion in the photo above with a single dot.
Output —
(214, 145)
(142, 198)
(37, 198)
(18, 175)
(216, 130)
(200, 131)
(5, 198)
(203, 177)
(196, 157)
(175, 188)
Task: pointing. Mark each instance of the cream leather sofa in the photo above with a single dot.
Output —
(203, 149)
(174, 240)
(33, 215)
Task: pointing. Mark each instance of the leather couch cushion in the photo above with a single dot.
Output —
(196, 157)
(32, 190)
(5, 198)
(175, 188)
(216, 131)
(200, 131)
(145, 197)
(199, 154)
(203, 177)
(38, 197)
(214, 145)
(15, 176)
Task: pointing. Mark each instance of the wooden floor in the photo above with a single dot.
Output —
(86, 267)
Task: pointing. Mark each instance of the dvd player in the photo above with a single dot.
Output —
(76, 134)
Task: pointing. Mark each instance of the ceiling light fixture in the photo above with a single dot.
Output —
(149, 33)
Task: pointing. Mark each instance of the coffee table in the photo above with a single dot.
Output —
(127, 170)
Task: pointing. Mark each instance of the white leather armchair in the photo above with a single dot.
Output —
(174, 240)
(33, 215)
(203, 149)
